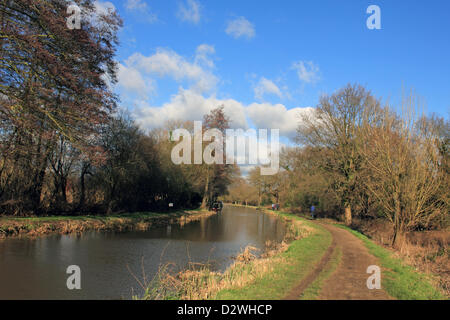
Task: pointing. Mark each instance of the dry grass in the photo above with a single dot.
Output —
(38, 226)
(431, 259)
(426, 251)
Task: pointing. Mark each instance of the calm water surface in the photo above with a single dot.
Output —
(36, 268)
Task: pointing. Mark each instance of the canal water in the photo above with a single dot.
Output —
(110, 262)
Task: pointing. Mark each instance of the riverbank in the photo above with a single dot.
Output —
(307, 265)
(288, 267)
(314, 275)
(271, 276)
(39, 226)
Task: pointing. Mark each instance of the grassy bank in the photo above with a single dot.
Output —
(398, 279)
(288, 268)
(243, 205)
(271, 276)
(36, 226)
(278, 271)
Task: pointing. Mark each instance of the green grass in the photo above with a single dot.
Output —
(242, 205)
(313, 291)
(15, 225)
(298, 261)
(135, 215)
(400, 280)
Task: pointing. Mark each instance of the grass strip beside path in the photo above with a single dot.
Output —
(313, 291)
(289, 268)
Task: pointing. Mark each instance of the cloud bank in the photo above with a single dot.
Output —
(197, 93)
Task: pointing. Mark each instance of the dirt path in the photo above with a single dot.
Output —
(348, 281)
(297, 291)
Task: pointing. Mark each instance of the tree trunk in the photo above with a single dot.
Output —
(38, 176)
(205, 195)
(394, 237)
(348, 215)
(82, 191)
(259, 198)
(64, 190)
(398, 236)
(396, 218)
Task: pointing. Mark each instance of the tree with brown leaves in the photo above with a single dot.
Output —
(54, 82)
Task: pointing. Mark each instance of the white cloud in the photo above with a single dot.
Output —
(135, 4)
(141, 7)
(131, 80)
(307, 71)
(254, 152)
(138, 75)
(240, 27)
(188, 105)
(100, 10)
(166, 62)
(189, 12)
(270, 116)
(266, 86)
(202, 55)
(103, 7)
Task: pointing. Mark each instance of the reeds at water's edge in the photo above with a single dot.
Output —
(199, 282)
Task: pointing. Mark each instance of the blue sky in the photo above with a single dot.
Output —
(268, 60)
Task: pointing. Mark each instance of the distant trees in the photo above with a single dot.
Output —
(307, 183)
(299, 184)
(268, 187)
(257, 181)
(242, 192)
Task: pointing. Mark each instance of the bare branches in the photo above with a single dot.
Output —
(335, 126)
(402, 165)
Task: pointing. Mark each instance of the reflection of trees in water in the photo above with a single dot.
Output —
(212, 241)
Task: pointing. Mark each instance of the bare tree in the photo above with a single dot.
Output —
(334, 126)
(402, 168)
